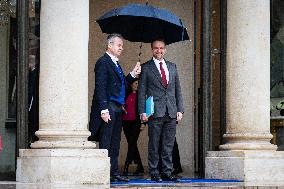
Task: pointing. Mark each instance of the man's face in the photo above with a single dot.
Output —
(116, 47)
(158, 49)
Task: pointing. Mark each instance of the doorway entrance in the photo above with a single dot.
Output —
(209, 58)
(19, 47)
(180, 53)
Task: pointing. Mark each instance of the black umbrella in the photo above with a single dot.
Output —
(143, 23)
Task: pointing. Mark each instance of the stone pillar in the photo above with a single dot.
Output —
(63, 154)
(63, 90)
(248, 76)
(247, 153)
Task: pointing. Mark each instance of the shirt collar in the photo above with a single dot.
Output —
(158, 61)
(113, 58)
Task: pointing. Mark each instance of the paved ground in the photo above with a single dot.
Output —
(145, 183)
(194, 185)
(14, 185)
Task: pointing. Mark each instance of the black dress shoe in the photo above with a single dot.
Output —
(170, 177)
(118, 178)
(156, 178)
(177, 171)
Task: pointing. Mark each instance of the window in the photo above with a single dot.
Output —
(277, 58)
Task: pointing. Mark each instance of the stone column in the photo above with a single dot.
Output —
(247, 153)
(63, 89)
(63, 154)
(248, 76)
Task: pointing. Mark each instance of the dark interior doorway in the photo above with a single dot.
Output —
(210, 25)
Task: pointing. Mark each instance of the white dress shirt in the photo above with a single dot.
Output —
(113, 58)
(164, 65)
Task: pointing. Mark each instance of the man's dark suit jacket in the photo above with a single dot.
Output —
(165, 99)
(107, 84)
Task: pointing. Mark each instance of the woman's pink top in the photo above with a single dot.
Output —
(130, 107)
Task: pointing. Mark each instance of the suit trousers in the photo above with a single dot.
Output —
(161, 133)
(175, 158)
(132, 130)
(110, 135)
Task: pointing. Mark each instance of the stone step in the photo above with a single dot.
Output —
(196, 185)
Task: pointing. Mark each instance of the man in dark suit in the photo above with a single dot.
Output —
(108, 101)
(33, 98)
(159, 78)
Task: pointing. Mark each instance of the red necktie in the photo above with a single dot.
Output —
(164, 78)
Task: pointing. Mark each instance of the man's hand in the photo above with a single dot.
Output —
(179, 116)
(105, 117)
(137, 70)
(144, 117)
(124, 110)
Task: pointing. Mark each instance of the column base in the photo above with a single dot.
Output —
(64, 166)
(248, 146)
(49, 139)
(247, 141)
(253, 167)
(63, 144)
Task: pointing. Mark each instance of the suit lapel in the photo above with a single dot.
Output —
(112, 65)
(170, 72)
(156, 72)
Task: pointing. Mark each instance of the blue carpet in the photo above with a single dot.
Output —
(181, 180)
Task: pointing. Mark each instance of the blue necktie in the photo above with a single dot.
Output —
(119, 68)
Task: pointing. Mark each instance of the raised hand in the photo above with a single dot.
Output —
(137, 69)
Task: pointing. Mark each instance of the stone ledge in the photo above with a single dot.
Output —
(64, 166)
(252, 167)
(63, 152)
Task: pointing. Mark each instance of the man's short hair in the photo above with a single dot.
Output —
(110, 37)
(157, 40)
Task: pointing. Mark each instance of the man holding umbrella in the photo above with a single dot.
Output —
(159, 78)
(108, 101)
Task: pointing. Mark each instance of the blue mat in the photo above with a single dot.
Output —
(180, 181)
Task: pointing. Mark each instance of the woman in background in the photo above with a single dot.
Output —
(132, 128)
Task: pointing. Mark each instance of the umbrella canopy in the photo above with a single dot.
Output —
(143, 23)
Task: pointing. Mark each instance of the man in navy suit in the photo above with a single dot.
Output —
(108, 101)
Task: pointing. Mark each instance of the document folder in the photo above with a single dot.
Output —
(149, 106)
